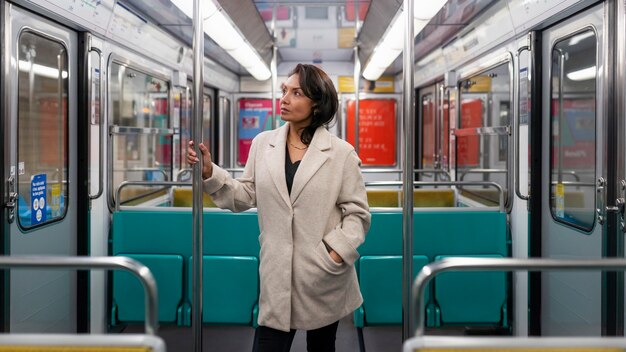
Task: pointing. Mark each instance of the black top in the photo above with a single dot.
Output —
(290, 170)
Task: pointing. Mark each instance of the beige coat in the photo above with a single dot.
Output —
(301, 286)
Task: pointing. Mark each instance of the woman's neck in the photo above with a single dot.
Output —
(295, 133)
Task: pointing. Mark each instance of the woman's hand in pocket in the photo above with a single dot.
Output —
(336, 257)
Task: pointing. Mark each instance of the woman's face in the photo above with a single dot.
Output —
(295, 107)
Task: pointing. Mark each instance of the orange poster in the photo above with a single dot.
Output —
(468, 147)
(377, 131)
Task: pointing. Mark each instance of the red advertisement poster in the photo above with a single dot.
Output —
(350, 10)
(468, 147)
(377, 131)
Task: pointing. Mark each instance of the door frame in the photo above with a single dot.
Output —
(612, 304)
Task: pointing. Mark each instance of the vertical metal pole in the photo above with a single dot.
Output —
(273, 67)
(60, 120)
(409, 150)
(357, 77)
(273, 82)
(198, 85)
(560, 130)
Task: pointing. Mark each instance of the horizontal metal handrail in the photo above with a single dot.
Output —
(575, 183)
(447, 183)
(141, 130)
(571, 173)
(182, 172)
(482, 131)
(90, 263)
(138, 169)
(482, 171)
(144, 183)
(429, 271)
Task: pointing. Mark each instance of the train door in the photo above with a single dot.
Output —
(573, 175)
(40, 168)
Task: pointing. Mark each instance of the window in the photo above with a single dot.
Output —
(42, 130)
(573, 130)
(482, 141)
(141, 134)
(316, 12)
(206, 120)
(255, 116)
(428, 132)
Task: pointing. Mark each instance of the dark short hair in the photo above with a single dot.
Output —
(318, 87)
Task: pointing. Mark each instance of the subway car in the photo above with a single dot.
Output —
(513, 136)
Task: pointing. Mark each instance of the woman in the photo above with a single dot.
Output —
(313, 214)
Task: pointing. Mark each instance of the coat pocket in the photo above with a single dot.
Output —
(327, 263)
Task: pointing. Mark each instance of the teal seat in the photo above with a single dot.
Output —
(384, 236)
(231, 238)
(471, 297)
(129, 294)
(230, 289)
(381, 287)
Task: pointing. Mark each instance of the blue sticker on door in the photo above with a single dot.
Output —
(38, 200)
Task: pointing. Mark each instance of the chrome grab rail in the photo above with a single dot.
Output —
(429, 271)
(182, 172)
(516, 118)
(89, 263)
(144, 183)
(447, 183)
(482, 171)
(141, 169)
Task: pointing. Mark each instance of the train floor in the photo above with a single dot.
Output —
(239, 339)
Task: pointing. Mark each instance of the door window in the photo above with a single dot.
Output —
(573, 129)
(42, 170)
(482, 140)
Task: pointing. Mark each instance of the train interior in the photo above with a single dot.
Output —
(97, 113)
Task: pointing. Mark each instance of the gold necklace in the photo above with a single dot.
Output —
(299, 148)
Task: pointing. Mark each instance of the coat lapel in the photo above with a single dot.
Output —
(314, 158)
(275, 158)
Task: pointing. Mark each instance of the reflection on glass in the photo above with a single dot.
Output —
(573, 130)
(42, 130)
(483, 155)
(428, 131)
(139, 100)
(206, 120)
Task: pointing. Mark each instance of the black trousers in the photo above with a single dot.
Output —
(272, 340)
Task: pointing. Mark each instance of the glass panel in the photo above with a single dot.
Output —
(42, 130)
(255, 116)
(573, 130)
(206, 121)
(185, 125)
(485, 102)
(377, 130)
(139, 100)
(446, 132)
(428, 131)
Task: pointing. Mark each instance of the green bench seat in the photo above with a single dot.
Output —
(230, 289)
(162, 240)
(129, 299)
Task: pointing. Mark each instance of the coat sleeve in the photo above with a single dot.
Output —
(348, 235)
(234, 194)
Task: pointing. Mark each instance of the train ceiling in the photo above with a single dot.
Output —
(314, 31)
